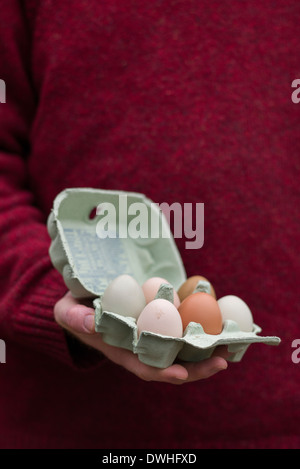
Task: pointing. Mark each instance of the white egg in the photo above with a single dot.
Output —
(124, 296)
(234, 308)
(161, 317)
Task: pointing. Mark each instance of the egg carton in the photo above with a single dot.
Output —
(89, 263)
(161, 351)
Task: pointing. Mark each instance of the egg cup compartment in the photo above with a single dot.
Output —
(88, 264)
(161, 351)
(198, 345)
(115, 329)
(120, 331)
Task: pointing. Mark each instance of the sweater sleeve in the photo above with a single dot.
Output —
(29, 286)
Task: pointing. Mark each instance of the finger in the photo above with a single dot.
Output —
(75, 317)
(174, 374)
(205, 369)
(177, 373)
(130, 361)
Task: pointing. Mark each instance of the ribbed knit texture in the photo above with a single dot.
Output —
(184, 101)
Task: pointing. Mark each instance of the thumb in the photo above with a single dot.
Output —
(73, 316)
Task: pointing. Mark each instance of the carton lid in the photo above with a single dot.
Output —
(96, 235)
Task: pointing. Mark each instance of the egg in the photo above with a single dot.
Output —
(188, 287)
(151, 287)
(124, 296)
(161, 317)
(203, 309)
(234, 308)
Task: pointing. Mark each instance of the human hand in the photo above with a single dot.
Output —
(77, 317)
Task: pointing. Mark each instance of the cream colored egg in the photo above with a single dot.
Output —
(124, 296)
(234, 308)
(161, 317)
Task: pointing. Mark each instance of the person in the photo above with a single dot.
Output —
(182, 101)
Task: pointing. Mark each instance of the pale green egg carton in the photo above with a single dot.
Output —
(88, 263)
(161, 351)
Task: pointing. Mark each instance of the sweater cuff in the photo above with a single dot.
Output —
(34, 324)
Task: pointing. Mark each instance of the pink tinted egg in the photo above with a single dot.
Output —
(151, 287)
(161, 317)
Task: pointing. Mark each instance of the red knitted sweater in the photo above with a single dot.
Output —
(184, 101)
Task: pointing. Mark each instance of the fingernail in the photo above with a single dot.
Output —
(181, 378)
(216, 369)
(221, 368)
(89, 323)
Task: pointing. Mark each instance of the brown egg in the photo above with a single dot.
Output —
(189, 286)
(204, 309)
